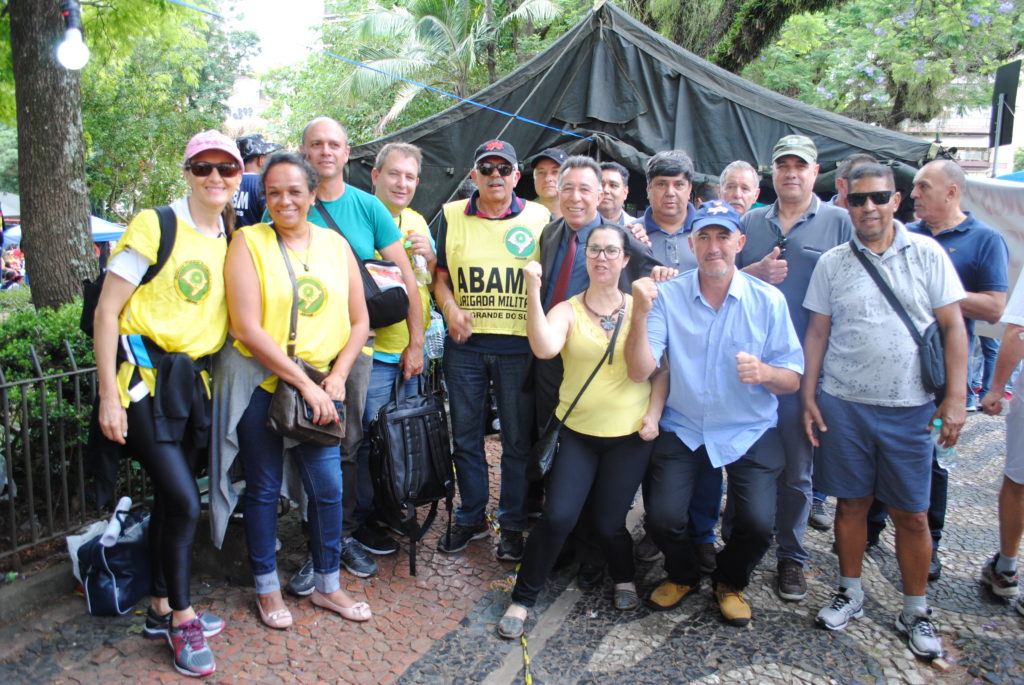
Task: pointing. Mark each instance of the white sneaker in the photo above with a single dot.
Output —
(819, 517)
(920, 632)
(840, 610)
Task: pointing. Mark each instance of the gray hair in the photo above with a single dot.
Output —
(738, 165)
(953, 173)
(857, 159)
(580, 162)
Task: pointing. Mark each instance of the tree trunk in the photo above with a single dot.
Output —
(51, 157)
(491, 59)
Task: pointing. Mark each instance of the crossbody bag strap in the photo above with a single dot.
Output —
(369, 284)
(294, 320)
(608, 354)
(889, 294)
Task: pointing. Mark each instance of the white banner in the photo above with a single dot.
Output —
(1000, 204)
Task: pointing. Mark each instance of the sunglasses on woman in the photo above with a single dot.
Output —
(203, 169)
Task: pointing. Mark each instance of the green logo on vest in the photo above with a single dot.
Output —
(520, 242)
(193, 281)
(312, 296)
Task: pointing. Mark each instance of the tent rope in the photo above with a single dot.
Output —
(502, 112)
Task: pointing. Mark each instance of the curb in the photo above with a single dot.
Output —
(38, 590)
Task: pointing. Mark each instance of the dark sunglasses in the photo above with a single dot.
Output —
(878, 197)
(487, 168)
(780, 242)
(203, 169)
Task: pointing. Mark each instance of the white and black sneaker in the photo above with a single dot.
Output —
(840, 610)
(920, 632)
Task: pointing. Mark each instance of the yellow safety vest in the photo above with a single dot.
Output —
(485, 263)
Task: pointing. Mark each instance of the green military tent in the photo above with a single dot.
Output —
(616, 90)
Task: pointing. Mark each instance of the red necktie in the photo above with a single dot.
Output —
(562, 284)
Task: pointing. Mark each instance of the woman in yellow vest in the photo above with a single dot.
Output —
(605, 441)
(332, 326)
(167, 328)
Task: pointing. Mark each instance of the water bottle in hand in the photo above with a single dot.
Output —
(945, 455)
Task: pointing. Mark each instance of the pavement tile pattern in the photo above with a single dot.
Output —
(439, 627)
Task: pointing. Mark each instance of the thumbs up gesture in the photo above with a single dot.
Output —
(772, 269)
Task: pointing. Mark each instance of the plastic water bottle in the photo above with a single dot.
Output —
(945, 455)
(419, 263)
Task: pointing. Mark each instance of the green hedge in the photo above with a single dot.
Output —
(22, 325)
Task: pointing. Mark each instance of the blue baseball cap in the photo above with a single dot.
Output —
(716, 213)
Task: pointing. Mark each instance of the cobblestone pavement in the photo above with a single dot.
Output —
(440, 626)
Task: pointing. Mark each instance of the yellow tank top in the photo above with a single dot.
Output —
(323, 323)
(485, 262)
(187, 290)
(612, 405)
(394, 339)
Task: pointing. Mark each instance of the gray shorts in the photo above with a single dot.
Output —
(1015, 434)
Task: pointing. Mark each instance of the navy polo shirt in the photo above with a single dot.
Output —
(579, 280)
(979, 255)
(672, 249)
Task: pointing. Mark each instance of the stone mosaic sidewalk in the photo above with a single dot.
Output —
(439, 626)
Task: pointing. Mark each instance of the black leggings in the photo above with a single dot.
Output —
(171, 467)
(601, 473)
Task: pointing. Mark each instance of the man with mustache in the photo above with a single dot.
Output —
(482, 245)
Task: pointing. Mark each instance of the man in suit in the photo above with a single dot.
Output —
(564, 274)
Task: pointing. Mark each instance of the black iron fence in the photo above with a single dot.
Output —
(47, 489)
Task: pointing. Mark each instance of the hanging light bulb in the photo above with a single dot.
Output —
(72, 53)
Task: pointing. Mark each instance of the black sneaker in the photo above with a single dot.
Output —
(935, 567)
(461, 536)
(589, 576)
(157, 626)
(375, 541)
(510, 546)
(356, 559)
(301, 584)
(392, 521)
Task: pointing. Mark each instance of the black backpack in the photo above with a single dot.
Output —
(411, 459)
(91, 289)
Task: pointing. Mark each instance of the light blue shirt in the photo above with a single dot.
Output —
(707, 404)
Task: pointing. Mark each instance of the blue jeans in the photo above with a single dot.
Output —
(705, 505)
(382, 379)
(467, 375)
(261, 454)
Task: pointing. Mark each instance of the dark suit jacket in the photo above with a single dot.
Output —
(641, 259)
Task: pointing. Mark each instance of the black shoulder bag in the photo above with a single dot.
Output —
(385, 307)
(929, 345)
(543, 452)
(411, 459)
(91, 289)
(290, 415)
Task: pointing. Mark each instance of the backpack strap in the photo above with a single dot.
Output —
(168, 234)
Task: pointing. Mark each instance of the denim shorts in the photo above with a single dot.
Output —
(873, 450)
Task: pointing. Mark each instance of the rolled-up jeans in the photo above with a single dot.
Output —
(261, 453)
(467, 375)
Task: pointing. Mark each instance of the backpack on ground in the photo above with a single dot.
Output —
(91, 289)
(411, 459)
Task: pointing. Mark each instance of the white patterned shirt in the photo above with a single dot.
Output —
(871, 357)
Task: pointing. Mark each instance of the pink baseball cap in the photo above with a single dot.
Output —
(212, 140)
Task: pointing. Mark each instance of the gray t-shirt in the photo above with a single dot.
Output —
(871, 357)
(822, 227)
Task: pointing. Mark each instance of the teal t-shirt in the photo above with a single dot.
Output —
(362, 218)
